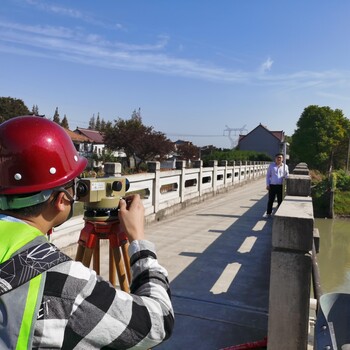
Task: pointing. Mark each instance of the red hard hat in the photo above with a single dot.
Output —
(36, 154)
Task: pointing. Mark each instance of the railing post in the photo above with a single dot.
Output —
(199, 164)
(112, 169)
(214, 164)
(181, 165)
(233, 172)
(154, 167)
(224, 163)
(247, 175)
(298, 185)
(240, 172)
(255, 175)
(291, 267)
(229, 164)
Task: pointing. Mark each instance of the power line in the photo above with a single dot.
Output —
(190, 135)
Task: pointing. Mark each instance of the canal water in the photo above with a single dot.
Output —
(334, 256)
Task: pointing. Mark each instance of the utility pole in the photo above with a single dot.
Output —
(347, 158)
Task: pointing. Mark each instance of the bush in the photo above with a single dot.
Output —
(235, 155)
(343, 181)
(320, 193)
(321, 188)
(342, 203)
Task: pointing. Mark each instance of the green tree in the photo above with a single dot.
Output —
(56, 117)
(188, 151)
(98, 122)
(138, 141)
(12, 107)
(64, 122)
(103, 125)
(92, 123)
(35, 110)
(233, 155)
(320, 138)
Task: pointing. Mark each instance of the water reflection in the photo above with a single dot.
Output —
(334, 256)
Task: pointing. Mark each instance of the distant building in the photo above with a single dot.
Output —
(182, 142)
(97, 145)
(262, 140)
(94, 146)
(172, 157)
(80, 142)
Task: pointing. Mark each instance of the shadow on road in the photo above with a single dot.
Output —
(221, 297)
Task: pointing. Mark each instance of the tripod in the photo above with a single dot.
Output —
(89, 246)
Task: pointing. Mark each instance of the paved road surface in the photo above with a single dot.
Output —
(217, 254)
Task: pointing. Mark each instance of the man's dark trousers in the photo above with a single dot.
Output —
(275, 190)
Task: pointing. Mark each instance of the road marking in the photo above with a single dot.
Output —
(247, 245)
(259, 225)
(226, 278)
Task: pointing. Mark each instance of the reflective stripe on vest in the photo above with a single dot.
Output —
(19, 308)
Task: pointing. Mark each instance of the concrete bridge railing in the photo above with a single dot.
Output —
(291, 265)
(167, 191)
(171, 190)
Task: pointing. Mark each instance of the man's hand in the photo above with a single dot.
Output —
(268, 187)
(132, 217)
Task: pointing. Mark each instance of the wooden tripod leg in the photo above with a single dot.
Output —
(96, 257)
(112, 267)
(87, 257)
(119, 263)
(126, 259)
(80, 253)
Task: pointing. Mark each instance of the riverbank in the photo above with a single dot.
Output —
(330, 194)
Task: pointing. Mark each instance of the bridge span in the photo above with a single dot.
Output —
(218, 255)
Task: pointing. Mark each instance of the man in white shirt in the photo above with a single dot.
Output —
(276, 172)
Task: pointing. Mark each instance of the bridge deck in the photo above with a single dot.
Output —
(217, 254)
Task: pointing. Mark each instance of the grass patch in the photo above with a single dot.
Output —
(342, 203)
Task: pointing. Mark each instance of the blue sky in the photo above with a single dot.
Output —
(195, 68)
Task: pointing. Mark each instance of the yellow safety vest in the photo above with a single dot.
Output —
(19, 307)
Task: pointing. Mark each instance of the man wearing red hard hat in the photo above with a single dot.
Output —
(59, 303)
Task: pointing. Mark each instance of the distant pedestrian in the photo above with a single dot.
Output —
(276, 172)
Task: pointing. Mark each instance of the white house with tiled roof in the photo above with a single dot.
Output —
(96, 145)
(80, 142)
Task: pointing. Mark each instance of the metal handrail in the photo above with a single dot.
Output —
(316, 280)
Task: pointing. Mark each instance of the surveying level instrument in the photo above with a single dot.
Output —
(101, 198)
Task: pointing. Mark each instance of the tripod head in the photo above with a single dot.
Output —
(101, 197)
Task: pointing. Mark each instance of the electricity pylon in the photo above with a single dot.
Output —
(237, 131)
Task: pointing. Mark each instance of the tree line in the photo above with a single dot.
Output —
(321, 138)
(140, 143)
(13, 107)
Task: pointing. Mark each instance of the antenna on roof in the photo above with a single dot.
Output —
(234, 138)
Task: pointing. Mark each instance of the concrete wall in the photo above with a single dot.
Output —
(291, 267)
